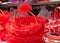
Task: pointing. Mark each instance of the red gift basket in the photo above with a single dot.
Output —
(25, 29)
(53, 28)
(55, 13)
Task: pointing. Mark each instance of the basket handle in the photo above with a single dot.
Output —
(56, 11)
(34, 17)
(2, 12)
(14, 16)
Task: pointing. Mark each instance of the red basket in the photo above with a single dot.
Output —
(53, 28)
(28, 29)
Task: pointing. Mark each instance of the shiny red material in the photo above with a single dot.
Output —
(26, 29)
(29, 29)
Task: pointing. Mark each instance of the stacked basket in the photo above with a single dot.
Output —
(52, 28)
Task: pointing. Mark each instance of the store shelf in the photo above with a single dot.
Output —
(47, 3)
(8, 5)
